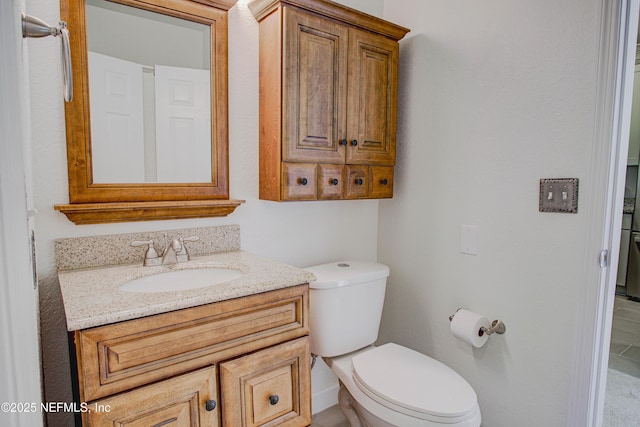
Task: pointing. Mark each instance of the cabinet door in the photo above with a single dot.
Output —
(372, 99)
(267, 388)
(314, 88)
(186, 400)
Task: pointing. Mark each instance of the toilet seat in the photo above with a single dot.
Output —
(414, 384)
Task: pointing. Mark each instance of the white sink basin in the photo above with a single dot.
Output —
(181, 280)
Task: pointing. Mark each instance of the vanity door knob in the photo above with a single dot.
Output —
(210, 405)
(334, 181)
(354, 142)
(384, 181)
(343, 142)
(359, 181)
(303, 181)
(274, 399)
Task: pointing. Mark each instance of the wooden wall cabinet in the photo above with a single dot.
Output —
(236, 363)
(328, 101)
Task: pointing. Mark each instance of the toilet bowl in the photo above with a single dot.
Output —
(383, 386)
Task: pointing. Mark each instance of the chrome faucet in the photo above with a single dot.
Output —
(171, 253)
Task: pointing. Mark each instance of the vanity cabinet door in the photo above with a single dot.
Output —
(268, 388)
(372, 99)
(185, 400)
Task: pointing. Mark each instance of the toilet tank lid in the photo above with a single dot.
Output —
(346, 273)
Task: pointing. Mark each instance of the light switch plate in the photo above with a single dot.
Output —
(469, 239)
(559, 195)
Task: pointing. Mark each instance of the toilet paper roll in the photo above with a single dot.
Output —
(466, 325)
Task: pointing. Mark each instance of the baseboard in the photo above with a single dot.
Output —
(324, 399)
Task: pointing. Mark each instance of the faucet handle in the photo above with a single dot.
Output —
(151, 250)
(183, 250)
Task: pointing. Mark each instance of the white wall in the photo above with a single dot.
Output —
(298, 233)
(494, 95)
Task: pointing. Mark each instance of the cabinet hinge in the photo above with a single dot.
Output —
(603, 259)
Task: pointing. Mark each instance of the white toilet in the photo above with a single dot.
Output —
(381, 386)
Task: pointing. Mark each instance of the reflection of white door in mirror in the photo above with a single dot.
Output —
(116, 119)
(183, 124)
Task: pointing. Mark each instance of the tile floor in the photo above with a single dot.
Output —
(330, 417)
(624, 355)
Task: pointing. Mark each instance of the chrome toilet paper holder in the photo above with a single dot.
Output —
(497, 327)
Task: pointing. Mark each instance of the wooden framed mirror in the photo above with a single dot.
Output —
(147, 130)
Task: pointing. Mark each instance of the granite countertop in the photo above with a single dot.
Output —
(92, 296)
(629, 205)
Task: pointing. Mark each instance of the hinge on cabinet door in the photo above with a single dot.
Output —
(603, 259)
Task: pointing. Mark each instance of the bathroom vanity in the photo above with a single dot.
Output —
(232, 354)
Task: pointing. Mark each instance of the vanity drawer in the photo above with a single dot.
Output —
(269, 387)
(121, 356)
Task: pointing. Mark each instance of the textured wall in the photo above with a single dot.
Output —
(494, 95)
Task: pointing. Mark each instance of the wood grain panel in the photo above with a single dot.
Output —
(299, 181)
(330, 182)
(179, 401)
(357, 182)
(314, 83)
(270, 116)
(118, 357)
(380, 182)
(281, 371)
(373, 98)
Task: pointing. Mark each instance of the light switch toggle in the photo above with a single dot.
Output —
(559, 195)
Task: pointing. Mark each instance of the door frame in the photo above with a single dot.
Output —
(19, 332)
(612, 118)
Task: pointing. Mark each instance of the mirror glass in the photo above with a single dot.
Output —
(150, 96)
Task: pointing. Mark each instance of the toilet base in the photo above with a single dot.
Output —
(362, 411)
(355, 413)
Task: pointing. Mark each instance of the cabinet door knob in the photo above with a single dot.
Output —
(359, 181)
(303, 181)
(384, 181)
(354, 142)
(210, 405)
(334, 181)
(274, 399)
(343, 141)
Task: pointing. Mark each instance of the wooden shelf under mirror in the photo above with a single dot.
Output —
(151, 142)
(101, 213)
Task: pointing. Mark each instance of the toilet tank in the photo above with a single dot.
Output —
(345, 306)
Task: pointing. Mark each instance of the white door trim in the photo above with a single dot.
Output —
(608, 172)
(19, 343)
